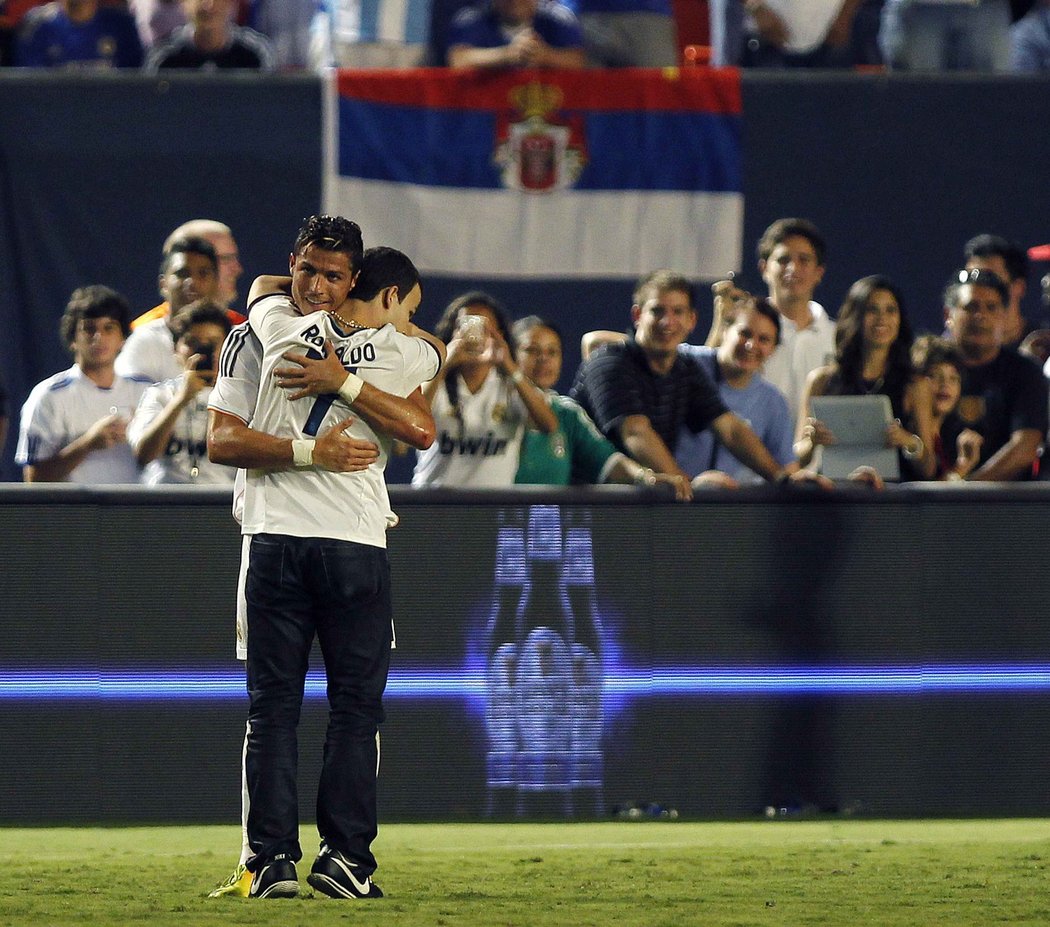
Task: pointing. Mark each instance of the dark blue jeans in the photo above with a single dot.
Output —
(340, 591)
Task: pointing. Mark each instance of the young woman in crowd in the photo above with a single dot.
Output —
(169, 431)
(481, 400)
(873, 340)
(576, 452)
(940, 362)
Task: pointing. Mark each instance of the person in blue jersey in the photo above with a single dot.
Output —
(516, 33)
(78, 34)
(74, 423)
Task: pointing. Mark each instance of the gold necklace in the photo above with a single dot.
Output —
(348, 323)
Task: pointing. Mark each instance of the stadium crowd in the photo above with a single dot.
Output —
(268, 35)
(647, 407)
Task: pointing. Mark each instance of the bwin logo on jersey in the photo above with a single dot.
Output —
(487, 446)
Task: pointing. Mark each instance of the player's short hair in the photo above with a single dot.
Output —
(662, 281)
(191, 244)
(523, 326)
(200, 312)
(975, 277)
(1015, 260)
(783, 229)
(332, 233)
(383, 267)
(94, 302)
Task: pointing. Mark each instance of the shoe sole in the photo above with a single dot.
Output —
(328, 886)
(286, 889)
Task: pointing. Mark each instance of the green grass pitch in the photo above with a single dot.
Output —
(791, 873)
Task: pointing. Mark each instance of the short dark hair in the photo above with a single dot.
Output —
(525, 325)
(191, 244)
(786, 228)
(975, 277)
(1014, 257)
(200, 312)
(94, 302)
(758, 304)
(930, 350)
(662, 281)
(381, 268)
(332, 233)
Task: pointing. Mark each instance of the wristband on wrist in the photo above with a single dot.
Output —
(351, 387)
(303, 452)
(517, 377)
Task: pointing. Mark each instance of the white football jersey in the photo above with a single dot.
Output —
(149, 352)
(313, 502)
(185, 459)
(62, 408)
(236, 390)
(481, 447)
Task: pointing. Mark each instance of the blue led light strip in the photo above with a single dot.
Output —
(220, 685)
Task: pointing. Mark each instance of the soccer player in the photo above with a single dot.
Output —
(387, 291)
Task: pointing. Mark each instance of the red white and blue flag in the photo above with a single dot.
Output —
(536, 173)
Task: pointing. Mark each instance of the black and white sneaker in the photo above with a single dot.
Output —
(335, 876)
(275, 879)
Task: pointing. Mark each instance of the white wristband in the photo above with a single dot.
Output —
(351, 387)
(517, 376)
(303, 452)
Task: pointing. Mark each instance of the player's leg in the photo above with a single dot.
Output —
(281, 631)
(354, 631)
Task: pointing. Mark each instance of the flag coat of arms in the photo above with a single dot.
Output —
(599, 174)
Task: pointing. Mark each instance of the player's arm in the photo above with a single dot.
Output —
(232, 442)
(406, 419)
(269, 285)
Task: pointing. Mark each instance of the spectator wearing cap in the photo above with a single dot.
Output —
(1004, 394)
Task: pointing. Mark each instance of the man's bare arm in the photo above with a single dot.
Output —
(1013, 460)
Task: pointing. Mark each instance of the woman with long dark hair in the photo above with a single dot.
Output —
(481, 400)
(873, 340)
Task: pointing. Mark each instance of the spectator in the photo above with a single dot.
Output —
(389, 33)
(750, 334)
(480, 400)
(156, 19)
(219, 235)
(1004, 395)
(169, 432)
(934, 35)
(791, 254)
(1030, 41)
(295, 29)
(788, 34)
(78, 34)
(641, 393)
(576, 452)
(1010, 264)
(73, 423)
(941, 363)
(873, 340)
(629, 33)
(188, 272)
(211, 41)
(516, 33)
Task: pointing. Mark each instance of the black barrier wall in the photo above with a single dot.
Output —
(96, 170)
(885, 655)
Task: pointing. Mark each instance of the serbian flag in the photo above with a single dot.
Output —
(600, 174)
